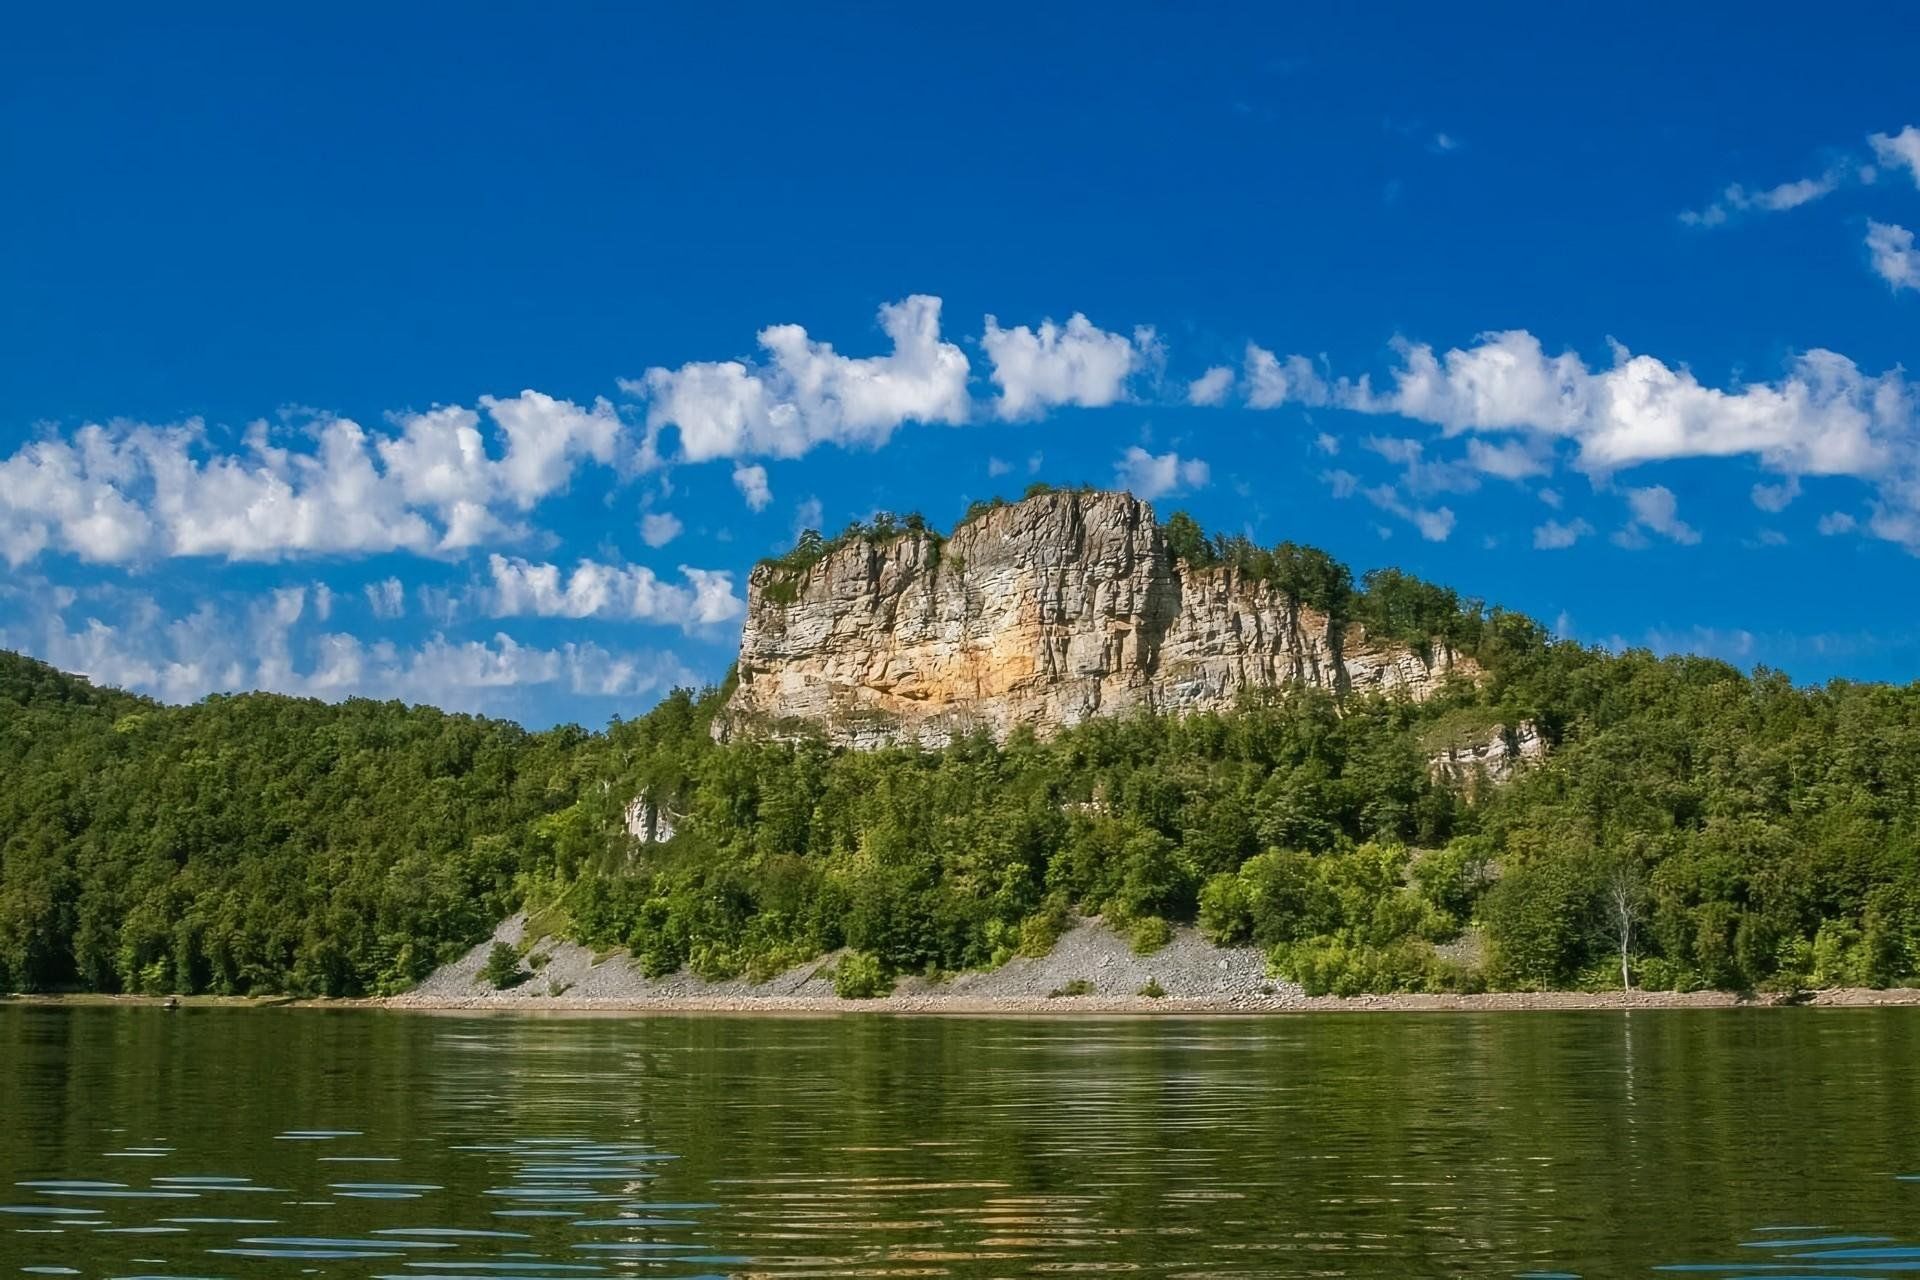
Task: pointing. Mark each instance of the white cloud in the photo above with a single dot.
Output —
(1075, 364)
(1776, 497)
(1656, 509)
(124, 639)
(1555, 536)
(1329, 445)
(1899, 151)
(627, 592)
(1211, 387)
(1434, 524)
(1835, 523)
(997, 467)
(1509, 460)
(545, 437)
(387, 598)
(1825, 417)
(1788, 195)
(1894, 258)
(806, 394)
(658, 528)
(751, 481)
(1151, 476)
(1272, 382)
(1419, 476)
(132, 492)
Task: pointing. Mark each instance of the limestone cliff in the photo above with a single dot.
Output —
(1044, 613)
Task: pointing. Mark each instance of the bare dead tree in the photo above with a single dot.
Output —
(1623, 900)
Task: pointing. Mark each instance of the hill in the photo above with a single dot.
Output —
(1700, 826)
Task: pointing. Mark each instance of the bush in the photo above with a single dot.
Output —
(1153, 990)
(1077, 987)
(502, 969)
(1148, 934)
(860, 976)
(1337, 966)
(1041, 930)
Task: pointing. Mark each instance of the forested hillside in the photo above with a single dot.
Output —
(254, 843)
(1715, 828)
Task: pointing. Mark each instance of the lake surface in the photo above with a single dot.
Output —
(294, 1143)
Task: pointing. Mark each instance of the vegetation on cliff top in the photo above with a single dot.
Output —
(1701, 826)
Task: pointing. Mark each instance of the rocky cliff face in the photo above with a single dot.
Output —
(1043, 613)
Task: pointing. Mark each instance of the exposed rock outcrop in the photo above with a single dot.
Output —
(649, 823)
(1503, 752)
(1045, 613)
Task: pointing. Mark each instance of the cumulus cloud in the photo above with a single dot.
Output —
(658, 528)
(1835, 523)
(1072, 364)
(1151, 476)
(1655, 509)
(1272, 381)
(627, 592)
(804, 393)
(1211, 387)
(751, 481)
(1776, 497)
(1555, 536)
(131, 492)
(1826, 417)
(1894, 258)
(1899, 151)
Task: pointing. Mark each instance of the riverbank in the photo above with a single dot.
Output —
(1091, 971)
(924, 1003)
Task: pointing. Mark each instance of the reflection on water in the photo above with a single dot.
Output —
(283, 1143)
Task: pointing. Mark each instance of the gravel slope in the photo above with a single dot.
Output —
(1189, 969)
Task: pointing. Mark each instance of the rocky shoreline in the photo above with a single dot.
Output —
(922, 1003)
(1091, 972)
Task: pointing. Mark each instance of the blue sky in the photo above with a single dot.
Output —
(474, 357)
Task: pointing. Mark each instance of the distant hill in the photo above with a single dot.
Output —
(1527, 813)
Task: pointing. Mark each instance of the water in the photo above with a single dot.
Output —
(336, 1143)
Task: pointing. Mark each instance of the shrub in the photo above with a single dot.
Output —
(860, 976)
(502, 969)
(1148, 934)
(1338, 966)
(1078, 987)
(1041, 930)
(1153, 990)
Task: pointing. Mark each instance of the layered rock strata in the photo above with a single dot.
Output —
(1045, 613)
